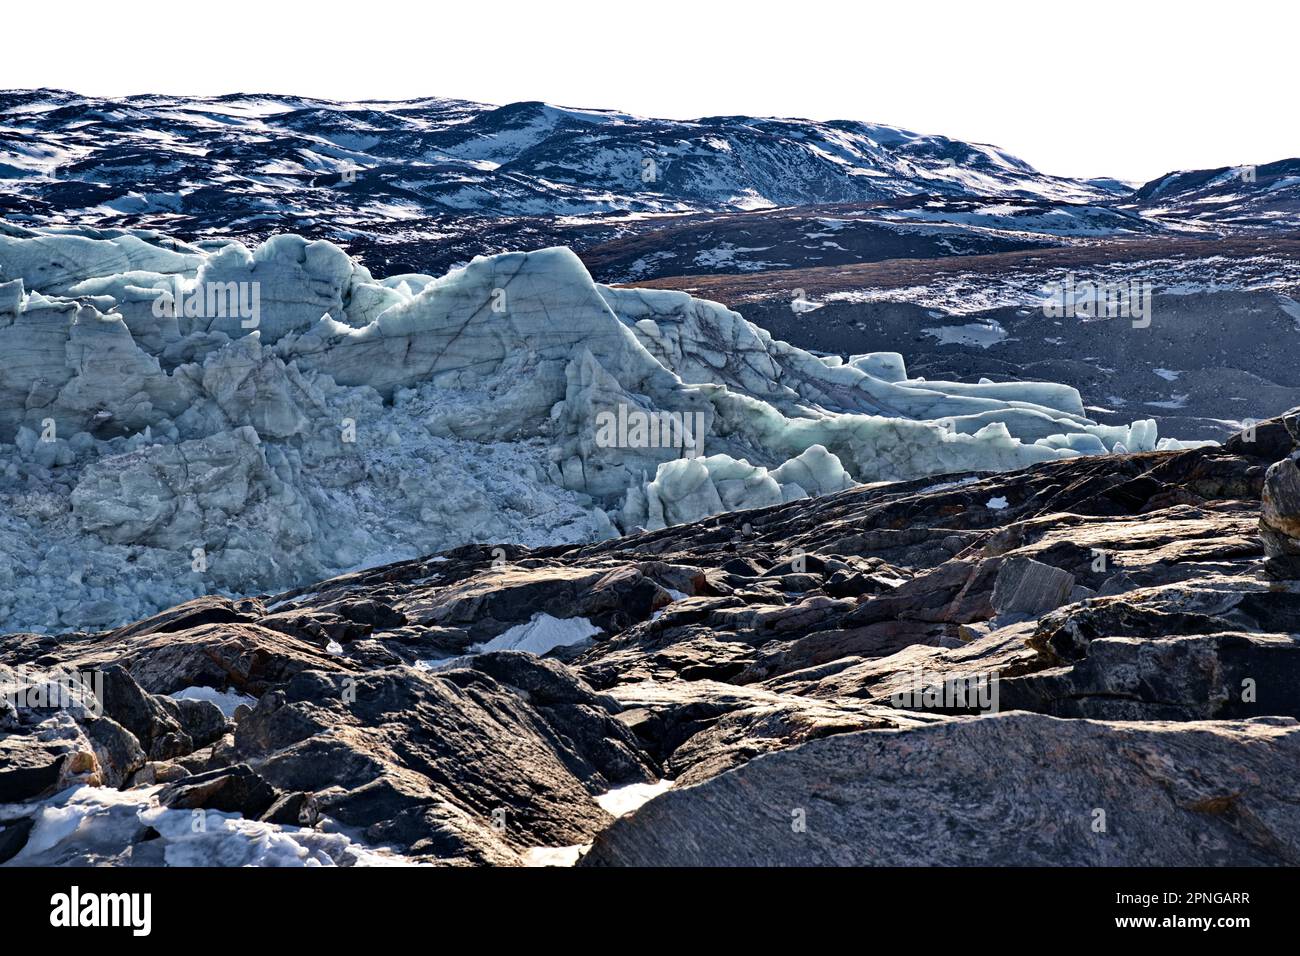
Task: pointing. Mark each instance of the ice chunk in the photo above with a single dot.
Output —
(541, 634)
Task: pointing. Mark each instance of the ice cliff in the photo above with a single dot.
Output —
(182, 418)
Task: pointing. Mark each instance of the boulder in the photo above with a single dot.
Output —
(1279, 519)
(1008, 790)
(1029, 588)
(236, 789)
(508, 751)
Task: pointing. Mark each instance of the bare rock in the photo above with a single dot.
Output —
(1029, 588)
(1193, 677)
(1279, 518)
(236, 789)
(1014, 789)
(507, 752)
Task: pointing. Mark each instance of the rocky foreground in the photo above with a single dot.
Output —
(1091, 661)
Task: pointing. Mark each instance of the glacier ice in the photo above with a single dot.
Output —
(153, 449)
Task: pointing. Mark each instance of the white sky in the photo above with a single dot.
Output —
(1130, 89)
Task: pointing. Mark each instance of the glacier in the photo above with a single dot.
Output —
(154, 448)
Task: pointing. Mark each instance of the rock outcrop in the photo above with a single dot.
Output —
(1279, 519)
(1010, 790)
(1097, 671)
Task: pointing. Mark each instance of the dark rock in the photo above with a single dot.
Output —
(1030, 588)
(800, 564)
(1270, 440)
(293, 809)
(742, 567)
(117, 750)
(316, 627)
(202, 720)
(371, 613)
(1015, 789)
(236, 789)
(957, 591)
(1197, 677)
(803, 629)
(798, 583)
(1279, 519)
(702, 728)
(45, 759)
(13, 836)
(155, 725)
(506, 732)
(159, 771)
(210, 609)
(248, 657)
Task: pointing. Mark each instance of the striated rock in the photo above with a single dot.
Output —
(159, 771)
(506, 752)
(117, 751)
(1030, 588)
(293, 809)
(1015, 789)
(211, 609)
(46, 758)
(701, 728)
(1196, 677)
(164, 728)
(248, 657)
(54, 734)
(1279, 519)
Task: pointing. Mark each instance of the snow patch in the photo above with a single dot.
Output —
(541, 634)
(227, 701)
(623, 800)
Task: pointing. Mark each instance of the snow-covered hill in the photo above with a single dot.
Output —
(424, 185)
(250, 156)
(1239, 197)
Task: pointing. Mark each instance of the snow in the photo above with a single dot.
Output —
(983, 334)
(967, 293)
(226, 700)
(623, 800)
(1291, 307)
(555, 855)
(948, 485)
(541, 634)
(996, 504)
(617, 802)
(83, 824)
